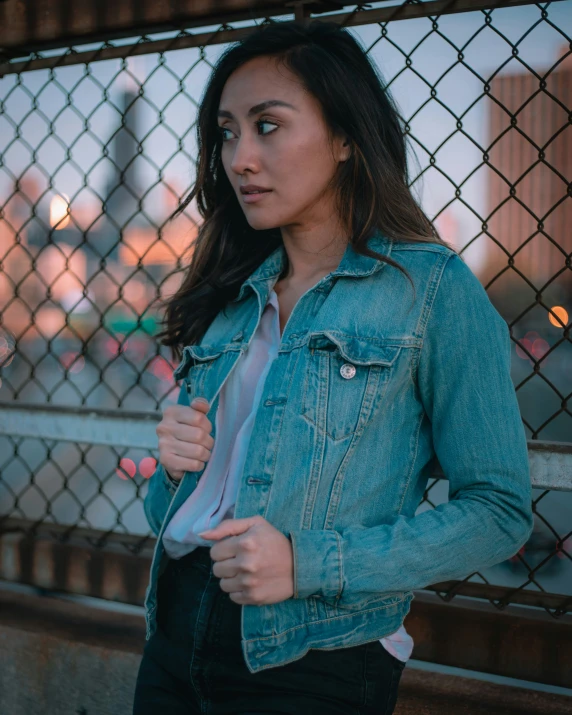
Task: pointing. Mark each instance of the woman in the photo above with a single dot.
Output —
(332, 347)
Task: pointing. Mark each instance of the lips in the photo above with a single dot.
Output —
(258, 195)
(253, 188)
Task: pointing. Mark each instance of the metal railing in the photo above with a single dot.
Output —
(97, 150)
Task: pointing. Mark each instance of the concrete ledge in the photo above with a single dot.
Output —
(71, 622)
(61, 657)
(426, 693)
(516, 642)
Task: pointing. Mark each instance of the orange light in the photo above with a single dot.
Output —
(59, 212)
(561, 318)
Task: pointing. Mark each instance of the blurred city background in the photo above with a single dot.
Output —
(95, 156)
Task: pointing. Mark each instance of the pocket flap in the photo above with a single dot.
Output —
(193, 354)
(359, 351)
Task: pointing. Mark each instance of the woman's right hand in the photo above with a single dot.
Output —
(185, 441)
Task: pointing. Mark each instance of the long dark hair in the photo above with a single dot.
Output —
(371, 186)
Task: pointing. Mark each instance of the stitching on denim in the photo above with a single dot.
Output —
(195, 640)
(291, 373)
(427, 310)
(395, 669)
(317, 459)
(408, 479)
(382, 374)
(427, 247)
(340, 567)
(338, 618)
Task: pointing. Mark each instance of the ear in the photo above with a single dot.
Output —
(344, 149)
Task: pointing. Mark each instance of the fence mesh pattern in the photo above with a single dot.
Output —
(95, 156)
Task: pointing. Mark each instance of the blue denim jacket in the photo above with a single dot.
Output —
(340, 464)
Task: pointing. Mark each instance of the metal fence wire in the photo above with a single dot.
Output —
(97, 149)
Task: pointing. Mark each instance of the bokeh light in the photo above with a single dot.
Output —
(72, 361)
(525, 343)
(562, 316)
(161, 369)
(115, 346)
(534, 344)
(147, 467)
(539, 348)
(126, 469)
(59, 212)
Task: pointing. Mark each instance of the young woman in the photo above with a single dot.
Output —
(332, 348)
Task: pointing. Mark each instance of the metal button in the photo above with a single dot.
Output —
(347, 371)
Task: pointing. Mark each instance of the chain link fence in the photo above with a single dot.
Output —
(97, 149)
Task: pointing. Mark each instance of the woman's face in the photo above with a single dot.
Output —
(281, 147)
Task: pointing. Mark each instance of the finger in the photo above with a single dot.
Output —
(183, 464)
(229, 527)
(190, 416)
(225, 550)
(240, 598)
(201, 404)
(190, 450)
(230, 585)
(226, 568)
(193, 435)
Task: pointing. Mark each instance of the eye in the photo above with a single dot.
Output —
(265, 121)
(258, 124)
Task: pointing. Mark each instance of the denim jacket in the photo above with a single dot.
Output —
(372, 385)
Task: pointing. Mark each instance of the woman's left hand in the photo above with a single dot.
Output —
(253, 560)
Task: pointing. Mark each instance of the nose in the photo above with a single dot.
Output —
(244, 157)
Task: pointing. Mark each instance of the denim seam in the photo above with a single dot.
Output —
(412, 464)
(298, 656)
(428, 309)
(197, 690)
(340, 568)
(365, 683)
(333, 618)
(394, 669)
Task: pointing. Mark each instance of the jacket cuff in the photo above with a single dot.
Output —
(172, 484)
(317, 564)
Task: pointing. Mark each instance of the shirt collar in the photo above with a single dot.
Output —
(352, 264)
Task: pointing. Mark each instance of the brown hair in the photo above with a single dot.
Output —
(371, 187)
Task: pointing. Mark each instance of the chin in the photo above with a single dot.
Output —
(261, 224)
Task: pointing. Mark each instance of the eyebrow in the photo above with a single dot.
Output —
(258, 108)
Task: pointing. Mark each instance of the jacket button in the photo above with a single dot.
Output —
(238, 336)
(347, 371)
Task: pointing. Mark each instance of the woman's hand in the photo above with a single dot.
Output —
(185, 441)
(255, 562)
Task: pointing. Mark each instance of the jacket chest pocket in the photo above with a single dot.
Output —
(344, 381)
(204, 368)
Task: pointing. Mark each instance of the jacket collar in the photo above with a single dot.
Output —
(352, 265)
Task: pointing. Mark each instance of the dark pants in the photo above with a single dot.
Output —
(193, 663)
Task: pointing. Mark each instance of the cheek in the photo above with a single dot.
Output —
(307, 168)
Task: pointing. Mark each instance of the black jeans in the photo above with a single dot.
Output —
(193, 663)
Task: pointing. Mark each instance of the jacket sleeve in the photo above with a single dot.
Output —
(464, 384)
(161, 487)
